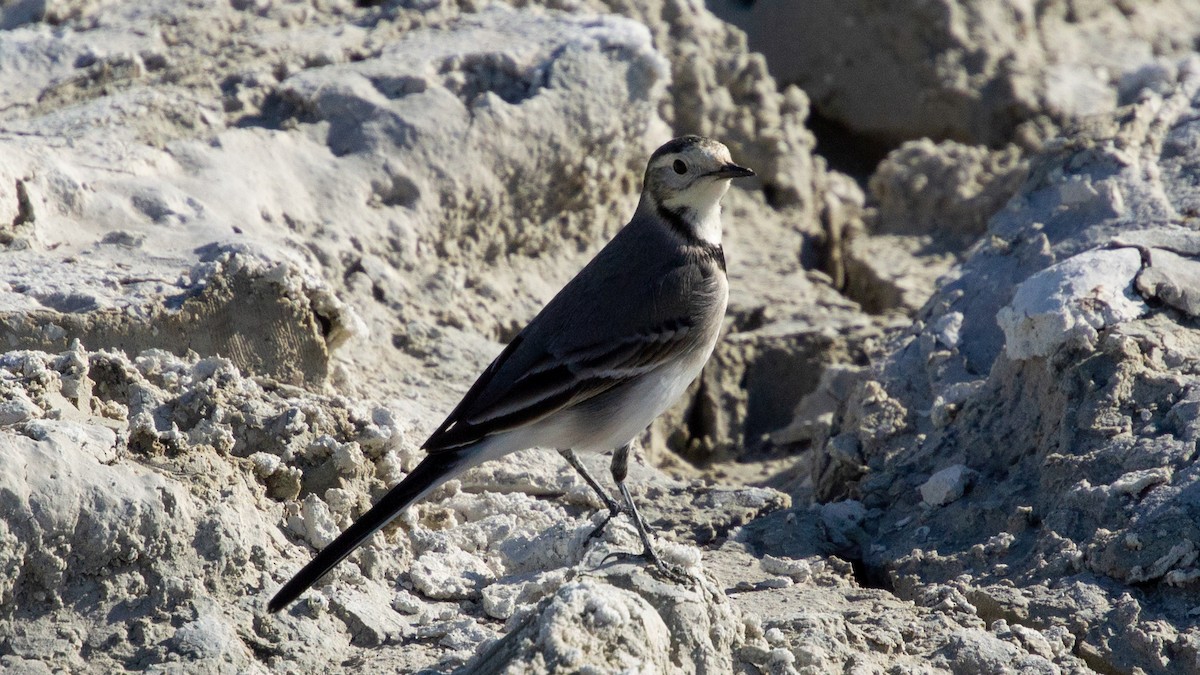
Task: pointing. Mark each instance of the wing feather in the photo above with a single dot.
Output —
(555, 381)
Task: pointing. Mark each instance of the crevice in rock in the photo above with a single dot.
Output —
(698, 425)
(845, 150)
(1094, 660)
(274, 113)
(24, 206)
(747, 320)
(870, 576)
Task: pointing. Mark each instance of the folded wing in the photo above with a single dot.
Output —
(508, 396)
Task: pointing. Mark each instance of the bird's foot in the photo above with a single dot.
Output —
(676, 574)
(613, 511)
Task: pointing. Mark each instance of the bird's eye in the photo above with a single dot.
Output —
(680, 167)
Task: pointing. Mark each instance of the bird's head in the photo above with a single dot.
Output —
(687, 177)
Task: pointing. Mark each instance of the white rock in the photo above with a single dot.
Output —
(63, 499)
(1068, 303)
(948, 328)
(606, 628)
(17, 410)
(1136, 482)
(314, 522)
(1181, 555)
(406, 603)
(208, 637)
(369, 618)
(450, 575)
(796, 569)
(1172, 278)
(947, 485)
(680, 555)
(948, 401)
(501, 599)
(843, 521)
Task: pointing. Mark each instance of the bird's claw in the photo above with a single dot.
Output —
(648, 555)
(613, 511)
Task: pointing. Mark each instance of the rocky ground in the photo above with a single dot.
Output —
(252, 252)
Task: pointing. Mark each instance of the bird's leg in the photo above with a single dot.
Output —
(573, 460)
(620, 469)
(613, 507)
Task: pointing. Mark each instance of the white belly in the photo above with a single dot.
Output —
(642, 403)
(605, 428)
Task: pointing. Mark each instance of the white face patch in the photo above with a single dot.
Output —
(700, 206)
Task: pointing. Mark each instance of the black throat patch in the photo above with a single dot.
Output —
(707, 250)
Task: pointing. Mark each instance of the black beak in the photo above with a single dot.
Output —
(731, 171)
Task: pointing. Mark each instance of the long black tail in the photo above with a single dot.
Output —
(430, 473)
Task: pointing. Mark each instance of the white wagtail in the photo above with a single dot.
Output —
(617, 346)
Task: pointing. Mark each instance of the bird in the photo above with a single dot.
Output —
(607, 355)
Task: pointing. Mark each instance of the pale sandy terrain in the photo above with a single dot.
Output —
(251, 253)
